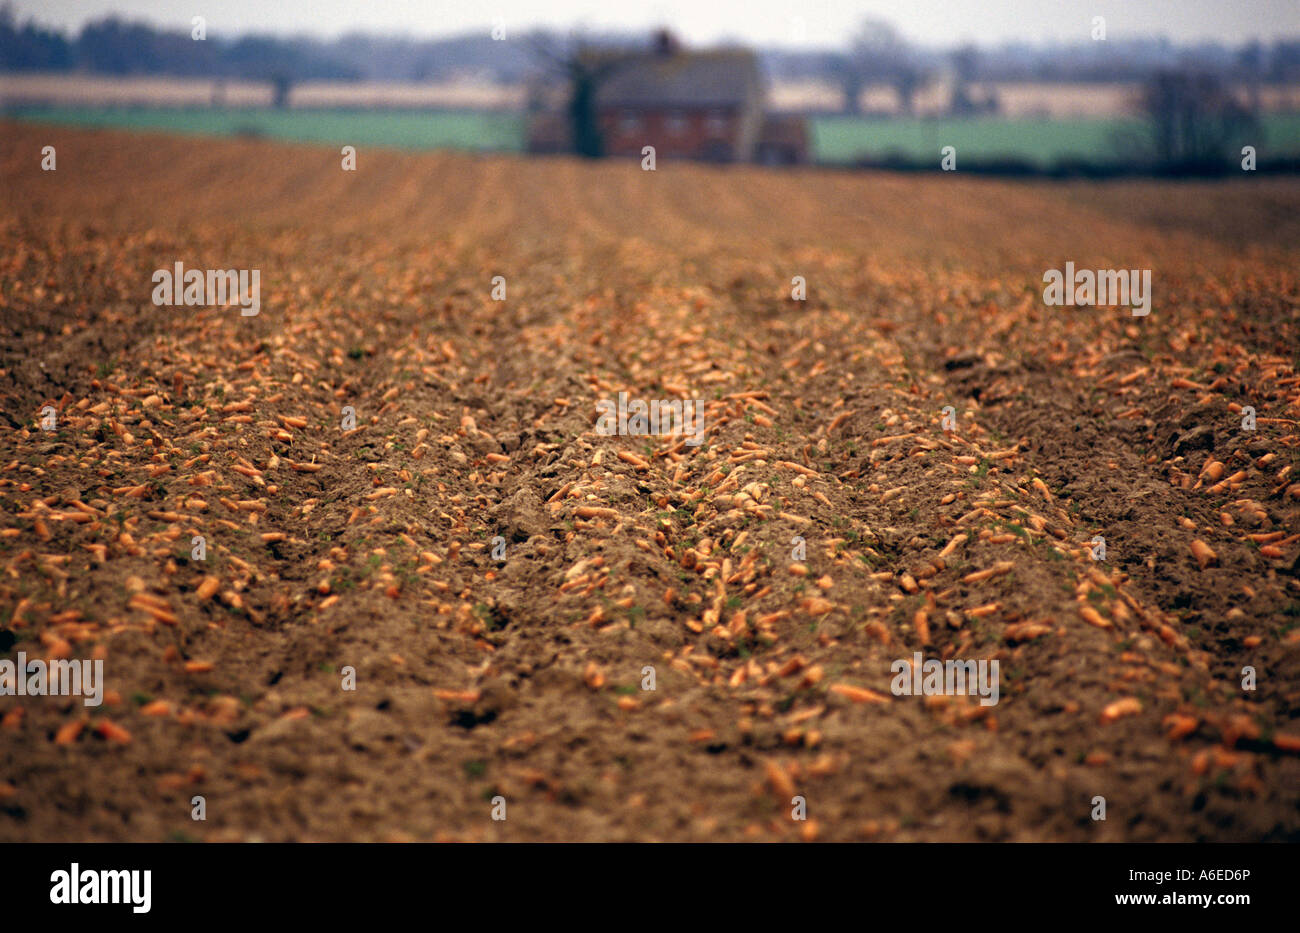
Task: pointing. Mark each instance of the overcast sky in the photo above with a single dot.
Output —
(824, 22)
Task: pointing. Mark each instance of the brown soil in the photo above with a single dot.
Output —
(371, 549)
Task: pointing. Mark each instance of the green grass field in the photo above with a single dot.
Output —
(845, 139)
(398, 129)
(835, 139)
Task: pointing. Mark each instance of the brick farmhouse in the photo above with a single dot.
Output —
(705, 105)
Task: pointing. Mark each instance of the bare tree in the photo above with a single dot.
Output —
(877, 53)
(1195, 120)
(965, 65)
(1250, 65)
(583, 69)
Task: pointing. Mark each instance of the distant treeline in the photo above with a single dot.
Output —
(113, 46)
(875, 53)
(877, 46)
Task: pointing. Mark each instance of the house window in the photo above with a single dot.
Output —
(675, 123)
(630, 123)
(715, 124)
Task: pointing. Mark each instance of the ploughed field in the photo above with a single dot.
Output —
(774, 577)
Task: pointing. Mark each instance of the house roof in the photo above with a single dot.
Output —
(713, 78)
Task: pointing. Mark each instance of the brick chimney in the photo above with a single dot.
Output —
(665, 43)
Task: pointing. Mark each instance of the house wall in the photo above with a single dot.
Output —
(749, 124)
(690, 133)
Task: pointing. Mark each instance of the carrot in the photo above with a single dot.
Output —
(68, 732)
(1203, 553)
(156, 708)
(921, 622)
(113, 732)
(997, 570)
(858, 694)
(956, 542)
(1129, 706)
(1093, 617)
(779, 778)
(457, 696)
(1286, 742)
(591, 511)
